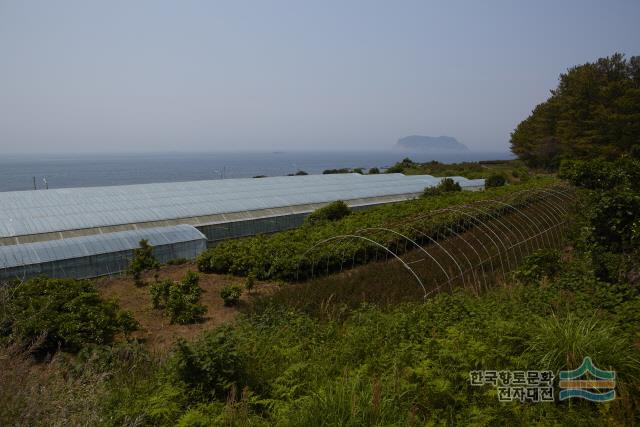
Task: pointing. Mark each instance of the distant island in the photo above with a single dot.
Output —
(430, 143)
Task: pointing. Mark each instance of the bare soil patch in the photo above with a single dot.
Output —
(155, 329)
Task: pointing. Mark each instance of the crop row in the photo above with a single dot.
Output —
(286, 255)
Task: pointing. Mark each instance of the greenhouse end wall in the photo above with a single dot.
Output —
(102, 264)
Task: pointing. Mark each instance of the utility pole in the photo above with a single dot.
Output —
(34, 183)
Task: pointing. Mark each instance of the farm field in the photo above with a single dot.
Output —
(509, 280)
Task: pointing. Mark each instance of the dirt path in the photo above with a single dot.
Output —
(155, 329)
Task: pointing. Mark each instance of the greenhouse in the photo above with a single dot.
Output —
(220, 209)
(98, 255)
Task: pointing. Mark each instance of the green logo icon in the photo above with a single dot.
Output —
(588, 382)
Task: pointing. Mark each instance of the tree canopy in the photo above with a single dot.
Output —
(594, 111)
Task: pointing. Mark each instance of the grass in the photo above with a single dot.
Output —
(515, 171)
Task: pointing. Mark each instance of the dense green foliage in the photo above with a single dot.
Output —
(594, 112)
(609, 224)
(282, 255)
(405, 366)
(514, 171)
(598, 174)
(142, 260)
(59, 314)
(208, 368)
(537, 266)
(179, 299)
(231, 294)
(446, 185)
(335, 171)
(495, 180)
(331, 212)
(401, 166)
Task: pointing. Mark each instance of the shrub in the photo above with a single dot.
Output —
(160, 292)
(69, 312)
(495, 180)
(331, 212)
(180, 300)
(335, 171)
(251, 281)
(210, 366)
(542, 263)
(143, 260)
(612, 216)
(446, 185)
(231, 295)
(177, 261)
(598, 174)
(374, 171)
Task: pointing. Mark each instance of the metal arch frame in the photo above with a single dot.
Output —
(552, 208)
(529, 221)
(545, 212)
(503, 220)
(355, 236)
(537, 222)
(410, 240)
(489, 236)
(445, 251)
(514, 212)
(557, 194)
(479, 257)
(544, 204)
(489, 256)
(494, 231)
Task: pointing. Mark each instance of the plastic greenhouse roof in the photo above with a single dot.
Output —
(78, 247)
(46, 211)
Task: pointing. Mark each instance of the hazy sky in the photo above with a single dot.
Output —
(266, 75)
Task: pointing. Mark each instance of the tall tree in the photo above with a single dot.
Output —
(594, 111)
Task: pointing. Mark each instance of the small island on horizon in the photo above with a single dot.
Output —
(430, 143)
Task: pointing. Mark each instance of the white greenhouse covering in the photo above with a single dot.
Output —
(29, 216)
(92, 256)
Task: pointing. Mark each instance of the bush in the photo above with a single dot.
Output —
(231, 295)
(495, 180)
(335, 171)
(177, 261)
(210, 366)
(69, 312)
(251, 281)
(331, 212)
(143, 260)
(374, 171)
(612, 216)
(540, 264)
(446, 185)
(180, 300)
